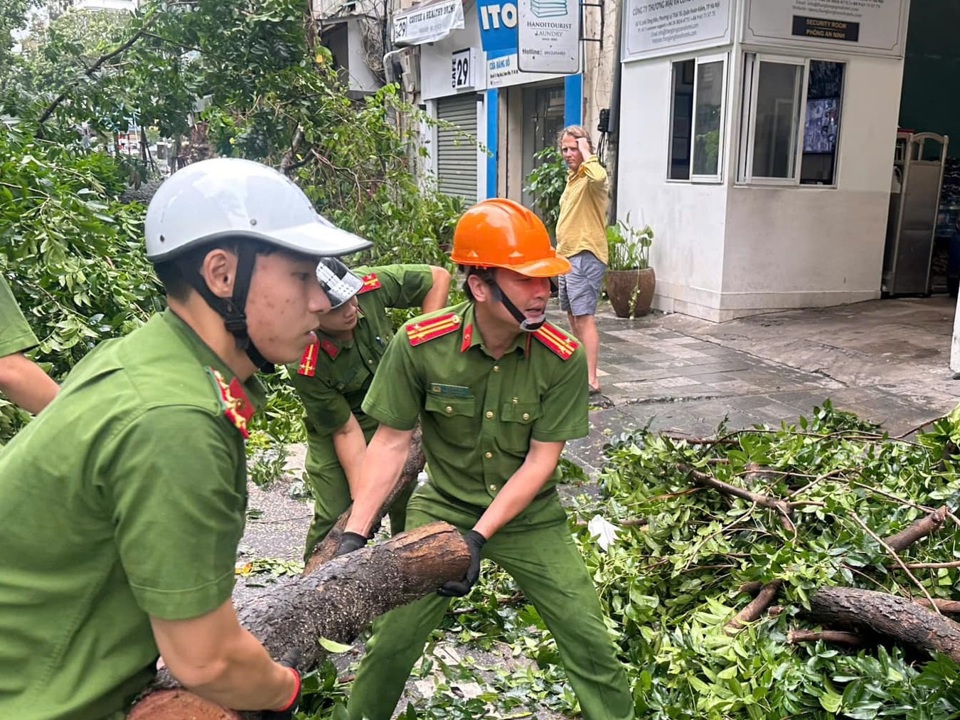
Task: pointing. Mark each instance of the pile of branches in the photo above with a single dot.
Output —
(803, 571)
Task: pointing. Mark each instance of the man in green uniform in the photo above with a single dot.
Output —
(498, 392)
(335, 372)
(21, 380)
(122, 504)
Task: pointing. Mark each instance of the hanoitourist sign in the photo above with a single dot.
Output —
(427, 23)
(869, 27)
(661, 27)
(548, 36)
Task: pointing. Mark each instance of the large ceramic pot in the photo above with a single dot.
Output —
(631, 291)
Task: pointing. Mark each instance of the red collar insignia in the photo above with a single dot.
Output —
(467, 338)
(308, 363)
(236, 405)
(329, 348)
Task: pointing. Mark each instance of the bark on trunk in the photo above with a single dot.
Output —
(335, 602)
(890, 616)
(327, 549)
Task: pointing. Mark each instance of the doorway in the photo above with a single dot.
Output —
(543, 119)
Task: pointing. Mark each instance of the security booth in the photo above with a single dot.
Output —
(760, 148)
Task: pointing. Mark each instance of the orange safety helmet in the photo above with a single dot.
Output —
(502, 233)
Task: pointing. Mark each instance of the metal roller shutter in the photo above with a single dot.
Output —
(457, 154)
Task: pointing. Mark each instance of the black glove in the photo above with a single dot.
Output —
(458, 588)
(349, 542)
(291, 660)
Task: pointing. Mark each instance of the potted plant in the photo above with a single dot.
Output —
(630, 281)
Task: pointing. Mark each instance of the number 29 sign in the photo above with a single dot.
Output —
(463, 69)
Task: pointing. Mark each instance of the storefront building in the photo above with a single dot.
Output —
(761, 148)
(468, 76)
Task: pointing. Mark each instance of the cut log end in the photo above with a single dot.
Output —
(179, 705)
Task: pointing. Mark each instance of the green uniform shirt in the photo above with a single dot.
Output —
(342, 370)
(479, 414)
(125, 499)
(15, 334)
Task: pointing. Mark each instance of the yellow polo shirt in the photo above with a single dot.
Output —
(582, 224)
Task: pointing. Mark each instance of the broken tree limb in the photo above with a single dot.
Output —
(950, 607)
(327, 549)
(783, 508)
(920, 529)
(335, 602)
(895, 556)
(754, 609)
(832, 636)
(933, 565)
(891, 616)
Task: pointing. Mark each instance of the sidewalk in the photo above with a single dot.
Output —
(886, 360)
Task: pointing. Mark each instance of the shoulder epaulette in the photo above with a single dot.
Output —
(561, 344)
(370, 282)
(424, 330)
(237, 407)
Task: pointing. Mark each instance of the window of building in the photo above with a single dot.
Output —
(696, 122)
(791, 121)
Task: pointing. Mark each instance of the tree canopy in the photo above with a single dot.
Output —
(242, 79)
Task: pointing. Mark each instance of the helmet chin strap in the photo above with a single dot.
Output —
(232, 309)
(526, 324)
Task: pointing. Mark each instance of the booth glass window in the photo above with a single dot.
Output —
(791, 120)
(696, 122)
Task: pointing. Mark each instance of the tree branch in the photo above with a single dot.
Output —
(896, 557)
(126, 45)
(950, 607)
(920, 529)
(782, 507)
(832, 636)
(754, 608)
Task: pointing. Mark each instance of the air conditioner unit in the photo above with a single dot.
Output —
(403, 66)
(410, 62)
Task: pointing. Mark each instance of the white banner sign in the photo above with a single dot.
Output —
(427, 23)
(661, 27)
(548, 36)
(873, 27)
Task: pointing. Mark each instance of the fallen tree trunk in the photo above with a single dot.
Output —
(335, 602)
(327, 549)
(890, 616)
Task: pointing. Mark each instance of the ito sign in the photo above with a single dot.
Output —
(463, 69)
(497, 16)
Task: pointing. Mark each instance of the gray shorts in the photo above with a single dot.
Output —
(579, 290)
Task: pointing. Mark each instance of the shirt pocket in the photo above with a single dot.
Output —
(455, 418)
(517, 425)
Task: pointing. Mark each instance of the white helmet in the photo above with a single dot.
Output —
(230, 197)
